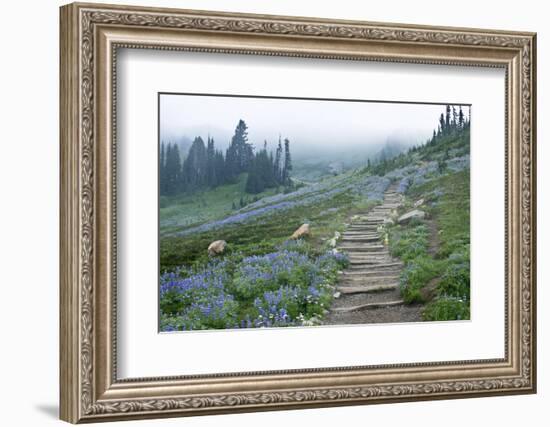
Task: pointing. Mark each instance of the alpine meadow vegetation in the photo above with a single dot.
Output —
(249, 198)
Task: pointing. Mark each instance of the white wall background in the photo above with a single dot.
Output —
(29, 170)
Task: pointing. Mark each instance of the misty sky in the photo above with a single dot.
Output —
(309, 124)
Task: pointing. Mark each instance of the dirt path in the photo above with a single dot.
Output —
(369, 288)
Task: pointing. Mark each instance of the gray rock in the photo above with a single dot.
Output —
(418, 214)
(302, 231)
(418, 203)
(217, 247)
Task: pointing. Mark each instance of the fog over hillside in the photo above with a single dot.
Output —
(321, 132)
(317, 129)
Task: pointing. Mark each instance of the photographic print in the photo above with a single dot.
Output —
(290, 212)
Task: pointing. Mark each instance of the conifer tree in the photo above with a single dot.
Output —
(195, 165)
(243, 149)
(219, 168)
(210, 163)
(162, 163)
(287, 182)
(172, 169)
(278, 170)
(447, 127)
(460, 118)
(455, 118)
(441, 127)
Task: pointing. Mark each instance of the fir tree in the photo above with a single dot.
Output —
(195, 165)
(441, 126)
(455, 118)
(287, 182)
(460, 118)
(219, 168)
(210, 163)
(447, 127)
(162, 163)
(243, 149)
(172, 169)
(277, 167)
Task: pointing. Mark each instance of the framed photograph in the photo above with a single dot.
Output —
(267, 212)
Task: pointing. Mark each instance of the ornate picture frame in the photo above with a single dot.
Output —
(90, 37)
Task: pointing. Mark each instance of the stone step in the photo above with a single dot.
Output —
(360, 234)
(380, 263)
(374, 267)
(366, 289)
(369, 263)
(370, 305)
(363, 249)
(368, 233)
(369, 273)
(367, 280)
(360, 239)
(363, 281)
(355, 228)
(367, 255)
(370, 246)
(373, 245)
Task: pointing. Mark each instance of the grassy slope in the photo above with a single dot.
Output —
(204, 206)
(449, 266)
(452, 212)
(263, 235)
(438, 267)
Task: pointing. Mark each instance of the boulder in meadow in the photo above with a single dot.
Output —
(217, 247)
(415, 214)
(302, 231)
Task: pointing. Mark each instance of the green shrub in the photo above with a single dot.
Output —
(409, 243)
(456, 277)
(447, 308)
(416, 275)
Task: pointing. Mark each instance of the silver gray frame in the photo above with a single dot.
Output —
(90, 37)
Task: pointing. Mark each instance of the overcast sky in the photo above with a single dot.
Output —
(309, 124)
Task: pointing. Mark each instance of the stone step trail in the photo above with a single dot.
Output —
(369, 305)
(368, 290)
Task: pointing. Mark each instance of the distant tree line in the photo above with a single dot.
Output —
(452, 124)
(206, 167)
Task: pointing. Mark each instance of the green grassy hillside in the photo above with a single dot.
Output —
(263, 279)
(207, 205)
